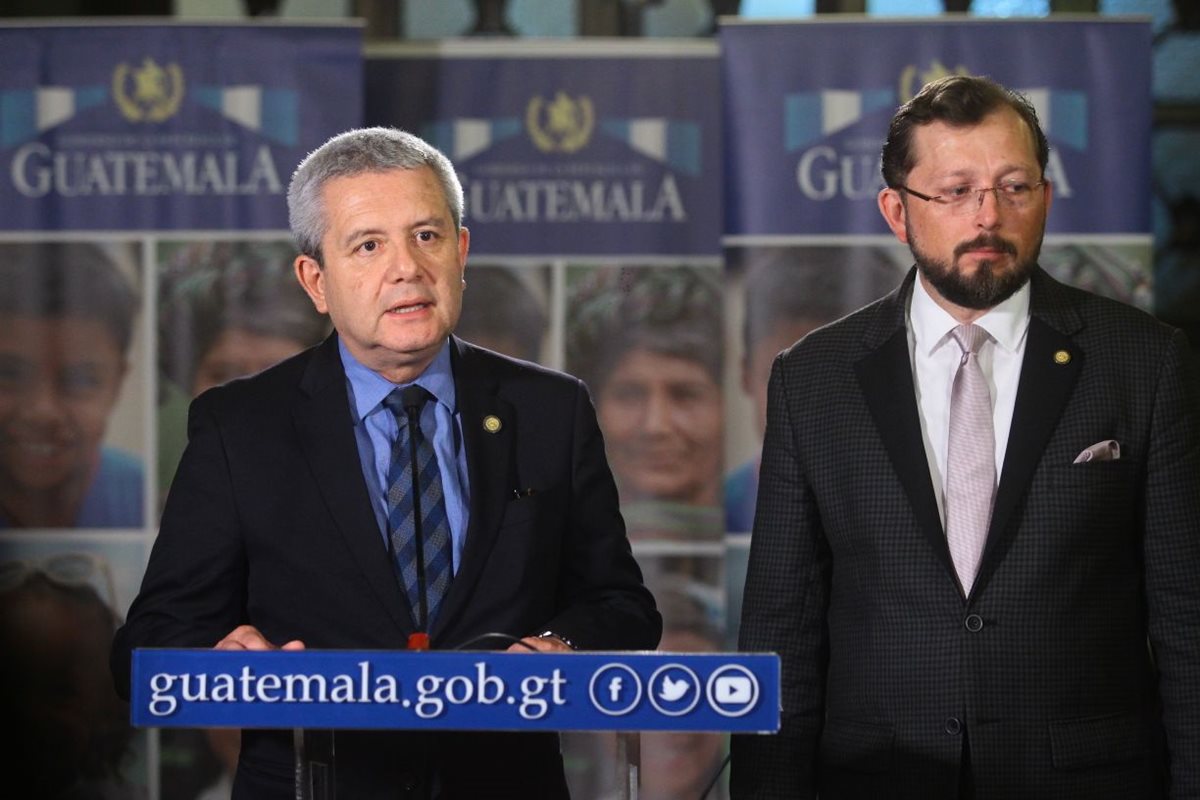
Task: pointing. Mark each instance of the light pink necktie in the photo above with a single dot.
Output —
(970, 459)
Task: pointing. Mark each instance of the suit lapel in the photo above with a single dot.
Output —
(323, 424)
(1045, 386)
(490, 469)
(885, 375)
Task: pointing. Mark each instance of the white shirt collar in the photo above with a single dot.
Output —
(931, 324)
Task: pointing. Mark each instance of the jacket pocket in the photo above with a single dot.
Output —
(1097, 741)
(1094, 475)
(857, 746)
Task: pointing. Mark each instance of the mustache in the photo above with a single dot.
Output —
(990, 241)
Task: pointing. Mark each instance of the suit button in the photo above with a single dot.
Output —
(953, 726)
(974, 623)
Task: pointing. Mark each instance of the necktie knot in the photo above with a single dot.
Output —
(970, 337)
(407, 401)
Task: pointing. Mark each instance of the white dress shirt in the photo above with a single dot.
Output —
(935, 358)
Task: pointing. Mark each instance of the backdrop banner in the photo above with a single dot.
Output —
(807, 108)
(592, 174)
(568, 150)
(153, 127)
(143, 258)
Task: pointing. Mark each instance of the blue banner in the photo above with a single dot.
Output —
(569, 154)
(156, 127)
(456, 690)
(807, 108)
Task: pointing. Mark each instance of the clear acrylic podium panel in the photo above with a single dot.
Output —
(318, 692)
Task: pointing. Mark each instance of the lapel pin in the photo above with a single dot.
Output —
(492, 423)
(1062, 357)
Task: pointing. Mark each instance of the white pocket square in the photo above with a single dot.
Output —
(1108, 450)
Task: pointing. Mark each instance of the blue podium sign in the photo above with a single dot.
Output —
(456, 690)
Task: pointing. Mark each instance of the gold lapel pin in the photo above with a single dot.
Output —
(492, 423)
(1062, 357)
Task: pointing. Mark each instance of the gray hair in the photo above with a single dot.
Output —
(353, 153)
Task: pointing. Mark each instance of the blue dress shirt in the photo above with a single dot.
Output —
(376, 429)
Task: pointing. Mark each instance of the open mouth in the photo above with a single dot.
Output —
(410, 308)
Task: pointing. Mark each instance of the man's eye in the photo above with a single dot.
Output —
(426, 236)
(1015, 188)
(369, 246)
(957, 192)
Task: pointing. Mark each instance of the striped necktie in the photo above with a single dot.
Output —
(418, 528)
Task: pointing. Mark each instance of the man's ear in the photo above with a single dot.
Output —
(464, 246)
(312, 280)
(891, 206)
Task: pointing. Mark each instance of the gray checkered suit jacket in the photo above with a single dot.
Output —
(1045, 669)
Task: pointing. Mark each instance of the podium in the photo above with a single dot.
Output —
(318, 692)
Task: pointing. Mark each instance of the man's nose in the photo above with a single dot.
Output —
(402, 263)
(988, 213)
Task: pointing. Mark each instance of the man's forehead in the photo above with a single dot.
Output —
(337, 191)
(940, 140)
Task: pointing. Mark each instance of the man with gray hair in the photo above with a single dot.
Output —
(292, 522)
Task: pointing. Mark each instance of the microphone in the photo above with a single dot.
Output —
(413, 398)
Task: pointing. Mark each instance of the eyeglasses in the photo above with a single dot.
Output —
(64, 569)
(962, 200)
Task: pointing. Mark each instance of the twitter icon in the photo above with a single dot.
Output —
(674, 690)
(671, 690)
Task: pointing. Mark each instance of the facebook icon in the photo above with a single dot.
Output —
(615, 689)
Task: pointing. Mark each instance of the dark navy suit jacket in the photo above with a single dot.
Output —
(1072, 670)
(268, 523)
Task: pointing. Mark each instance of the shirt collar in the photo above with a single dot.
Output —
(369, 388)
(931, 324)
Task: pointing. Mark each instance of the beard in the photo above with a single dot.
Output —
(989, 286)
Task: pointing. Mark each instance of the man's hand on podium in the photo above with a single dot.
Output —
(542, 644)
(248, 637)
